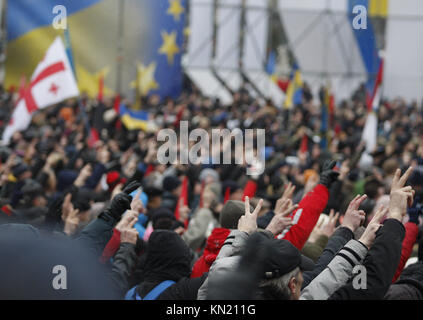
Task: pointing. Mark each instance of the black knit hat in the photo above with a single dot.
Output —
(170, 183)
(18, 169)
(231, 212)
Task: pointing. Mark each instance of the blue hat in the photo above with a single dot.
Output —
(143, 197)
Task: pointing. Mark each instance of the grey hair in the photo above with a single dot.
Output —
(281, 283)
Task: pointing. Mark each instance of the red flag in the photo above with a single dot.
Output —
(373, 100)
(100, 88)
(304, 143)
(183, 197)
(227, 194)
(116, 107)
(283, 84)
(179, 117)
(93, 137)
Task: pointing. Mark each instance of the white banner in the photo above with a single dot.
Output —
(200, 44)
(228, 41)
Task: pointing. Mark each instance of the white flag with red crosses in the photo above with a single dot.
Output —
(52, 82)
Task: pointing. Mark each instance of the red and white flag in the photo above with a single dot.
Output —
(52, 82)
(370, 128)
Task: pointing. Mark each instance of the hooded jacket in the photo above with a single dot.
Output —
(168, 258)
(214, 243)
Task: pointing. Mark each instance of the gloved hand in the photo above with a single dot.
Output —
(414, 212)
(122, 201)
(328, 176)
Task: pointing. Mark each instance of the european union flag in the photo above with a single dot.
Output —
(152, 42)
(161, 72)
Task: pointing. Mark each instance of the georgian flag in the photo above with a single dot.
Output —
(52, 82)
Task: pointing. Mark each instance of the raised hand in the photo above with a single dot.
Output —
(281, 219)
(248, 222)
(289, 191)
(329, 228)
(353, 217)
(328, 176)
(369, 235)
(183, 211)
(128, 220)
(70, 216)
(136, 203)
(83, 175)
(400, 196)
(128, 233)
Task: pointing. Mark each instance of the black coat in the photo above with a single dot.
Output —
(380, 263)
(410, 284)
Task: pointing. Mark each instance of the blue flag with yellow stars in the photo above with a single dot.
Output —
(150, 59)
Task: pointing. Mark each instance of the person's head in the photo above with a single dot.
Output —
(33, 194)
(373, 188)
(231, 212)
(232, 190)
(167, 257)
(173, 185)
(21, 172)
(162, 219)
(288, 285)
(154, 197)
(283, 269)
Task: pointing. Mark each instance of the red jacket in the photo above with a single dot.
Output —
(214, 243)
(111, 247)
(306, 216)
(411, 232)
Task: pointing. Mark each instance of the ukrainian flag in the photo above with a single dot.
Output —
(153, 37)
(135, 119)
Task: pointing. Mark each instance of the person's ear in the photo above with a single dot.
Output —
(292, 284)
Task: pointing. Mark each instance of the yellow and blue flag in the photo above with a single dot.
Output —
(294, 91)
(152, 41)
(135, 119)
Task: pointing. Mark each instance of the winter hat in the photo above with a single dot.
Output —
(32, 188)
(209, 172)
(163, 218)
(113, 179)
(65, 178)
(283, 257)
(231, 212)
(19, 169)
(230, 185)
(170, 183)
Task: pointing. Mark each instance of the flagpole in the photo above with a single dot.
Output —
(120, 46)
(3, 39)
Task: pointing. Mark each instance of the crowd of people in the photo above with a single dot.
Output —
(323, 221)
